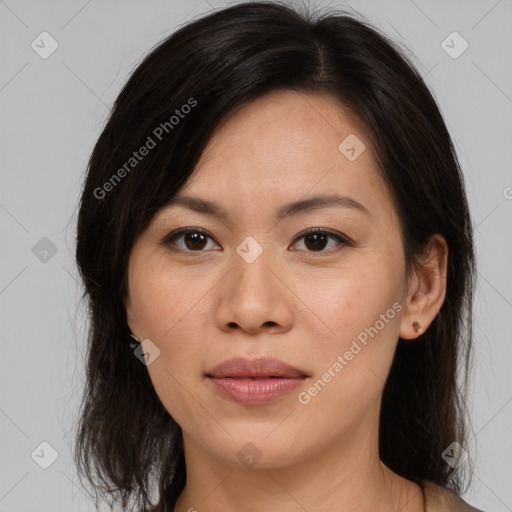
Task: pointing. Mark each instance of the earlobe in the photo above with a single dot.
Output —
(428, 290)
(417, 327)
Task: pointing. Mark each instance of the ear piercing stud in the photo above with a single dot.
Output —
(416, 326)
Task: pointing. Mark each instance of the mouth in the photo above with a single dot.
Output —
(259, 368)
(252, 391)
(245, 377)
(254, 382)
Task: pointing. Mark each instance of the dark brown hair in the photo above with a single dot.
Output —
(128, 446)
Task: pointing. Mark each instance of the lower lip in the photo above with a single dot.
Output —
(255, 392)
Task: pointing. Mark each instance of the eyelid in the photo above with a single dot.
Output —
(340, 237)
(169, 238)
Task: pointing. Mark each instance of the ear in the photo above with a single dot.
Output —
(427, 289)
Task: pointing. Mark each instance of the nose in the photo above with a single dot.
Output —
(254, 297)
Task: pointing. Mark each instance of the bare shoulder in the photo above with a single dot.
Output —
(440, 499)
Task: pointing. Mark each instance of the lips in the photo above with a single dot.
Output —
(255, 382)
(259, 368)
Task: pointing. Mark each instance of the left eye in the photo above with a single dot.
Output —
(196, 239)
(316, 237)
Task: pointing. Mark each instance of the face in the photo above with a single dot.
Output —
(252, 284)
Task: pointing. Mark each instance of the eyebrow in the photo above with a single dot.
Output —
(304, 205)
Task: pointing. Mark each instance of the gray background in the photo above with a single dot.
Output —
(53, 110)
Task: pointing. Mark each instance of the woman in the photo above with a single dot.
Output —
(274, 215)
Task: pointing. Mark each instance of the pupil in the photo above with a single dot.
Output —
(196, 238)
(317, 242)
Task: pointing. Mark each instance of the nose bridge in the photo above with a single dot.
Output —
(252, 260)
(252, 296)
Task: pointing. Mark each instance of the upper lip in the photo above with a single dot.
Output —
(259, 367)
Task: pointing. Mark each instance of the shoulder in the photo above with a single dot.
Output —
(440, 499)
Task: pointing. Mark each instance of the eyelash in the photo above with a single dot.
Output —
(343, 240)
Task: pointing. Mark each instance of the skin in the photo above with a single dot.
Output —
(201, 306)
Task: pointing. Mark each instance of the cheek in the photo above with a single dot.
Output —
(168, 308)
(174, 312)
(348, 299)
(164, 299)
(356, 316)
(351, 367)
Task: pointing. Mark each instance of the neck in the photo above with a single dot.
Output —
(346, 474)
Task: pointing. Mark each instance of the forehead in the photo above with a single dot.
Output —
(286, 119)
(284, 147)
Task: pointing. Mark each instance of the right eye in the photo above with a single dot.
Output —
(194, 239)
